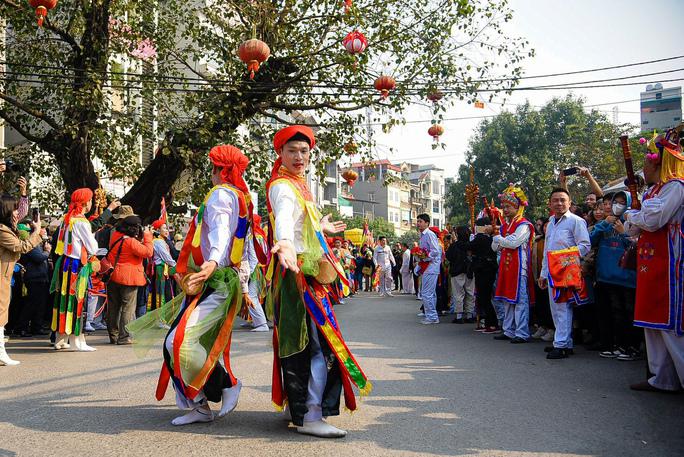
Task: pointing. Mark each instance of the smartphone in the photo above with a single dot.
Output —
(35, 213)
(570, 171)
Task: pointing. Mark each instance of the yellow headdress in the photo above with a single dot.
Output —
(516, 197)
(666, 150)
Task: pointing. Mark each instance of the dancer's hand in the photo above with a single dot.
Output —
(206, 270)
(287, 255)
(542, 283)
(330, 227)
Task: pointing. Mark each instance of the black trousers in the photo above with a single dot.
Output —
(296, 372)
(542, 308)
(621, 300)
(484, 283)
(397, 278)
(35, 303)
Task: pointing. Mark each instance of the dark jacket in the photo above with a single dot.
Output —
(459, 260)
(35, 263)
(484, 258)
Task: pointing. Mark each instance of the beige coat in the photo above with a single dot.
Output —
(11, 248)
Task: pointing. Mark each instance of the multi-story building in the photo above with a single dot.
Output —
(661, 108)
(382, 191)
(427, 192)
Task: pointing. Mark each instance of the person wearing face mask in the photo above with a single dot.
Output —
(617, 285)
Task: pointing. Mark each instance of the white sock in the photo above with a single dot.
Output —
(199, 414)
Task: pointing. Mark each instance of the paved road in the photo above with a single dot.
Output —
(439, 390)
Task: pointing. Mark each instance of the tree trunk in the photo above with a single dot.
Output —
(153, 184)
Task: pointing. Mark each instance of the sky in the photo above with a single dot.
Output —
(567, 35)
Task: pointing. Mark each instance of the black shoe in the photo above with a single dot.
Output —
(557, 353)
(25, 334)
(518, 340)
(551, 348)
(457, 321)
(40, 332)
(502, 337)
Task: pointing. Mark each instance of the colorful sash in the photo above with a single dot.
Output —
(565, 276)
(660, 275)
(302, 295)
(510, 267)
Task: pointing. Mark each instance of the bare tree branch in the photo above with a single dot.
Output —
(32, 111)
(15, 125)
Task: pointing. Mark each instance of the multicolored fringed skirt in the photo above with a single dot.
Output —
(293, 302)
(70, 283)
(160, 288)
(197, 332)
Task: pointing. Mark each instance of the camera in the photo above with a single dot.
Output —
(11, 165)
(571, 171)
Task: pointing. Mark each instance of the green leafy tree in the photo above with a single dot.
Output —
(192, 92)
(530, 147)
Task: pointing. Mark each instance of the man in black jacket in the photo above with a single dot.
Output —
(461, 275)
(37, 284)
(485, 268)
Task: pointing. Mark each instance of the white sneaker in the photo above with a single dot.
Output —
(99, 326)
(321, 429)
(81, 345)
(420, 314)
(261, 328)
(61, 341)
(88, 327)
(549, 335)
(229, 398)
(196, 415)
(5, 359)
(390, 294)
(429, 322)
(541, 331)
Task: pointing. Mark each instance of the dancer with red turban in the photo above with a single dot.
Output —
(213, 262)
(76, 248)
(312, 364)
(162, 267)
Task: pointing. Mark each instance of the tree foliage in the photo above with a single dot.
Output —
(192, 92)
(531, 146)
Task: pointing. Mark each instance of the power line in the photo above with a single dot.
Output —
(183, 78)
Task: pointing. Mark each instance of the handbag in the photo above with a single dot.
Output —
(628, 260)
(106, 267)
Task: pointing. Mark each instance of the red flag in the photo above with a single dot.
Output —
(162, 213)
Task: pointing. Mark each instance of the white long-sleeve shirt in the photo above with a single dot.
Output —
(514, 241)
(162, 253)
(289, 215)
(219, 225)
(383, 257)
(667, 206)
(405, 261)
(567, 231)
(81, 236)
(430, 243)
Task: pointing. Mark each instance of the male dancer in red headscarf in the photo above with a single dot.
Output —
(214, 263)
(312, 363)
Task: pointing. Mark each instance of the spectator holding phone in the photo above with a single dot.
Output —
(11, 248)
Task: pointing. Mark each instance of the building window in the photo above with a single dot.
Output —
(435, 206)
(371, 196)
(435, 187)
(435, 222)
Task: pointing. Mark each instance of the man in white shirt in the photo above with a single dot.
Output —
(565, 230)
(384, 260)
(406, 273)
(428, 287)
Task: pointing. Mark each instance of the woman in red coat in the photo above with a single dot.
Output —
(128, 247)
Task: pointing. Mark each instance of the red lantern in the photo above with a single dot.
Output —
(350, 148)
(435, 131)
(385, 84)
(355, 42)
(253, 52)
(435, 95)
(350, 176)
(42, 7)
